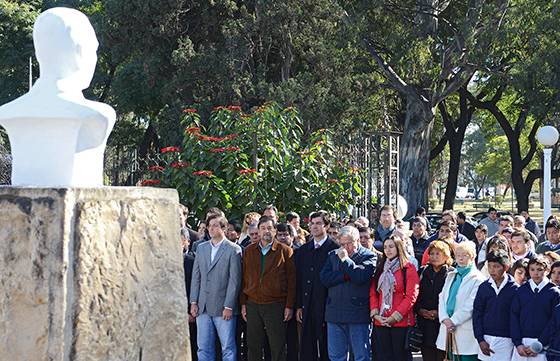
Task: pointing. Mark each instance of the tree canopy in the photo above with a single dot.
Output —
(476, 77)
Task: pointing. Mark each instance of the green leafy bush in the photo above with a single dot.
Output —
(242, 162)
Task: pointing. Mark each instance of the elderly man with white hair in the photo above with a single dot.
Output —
(347, 275)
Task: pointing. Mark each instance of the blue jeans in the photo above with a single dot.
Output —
(207, 327)
(345, 336)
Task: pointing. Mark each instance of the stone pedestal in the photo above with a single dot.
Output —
(91, 274)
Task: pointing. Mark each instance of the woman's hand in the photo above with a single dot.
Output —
(449, 324)
(424, 313)
(390, 320)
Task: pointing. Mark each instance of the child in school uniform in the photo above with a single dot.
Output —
(555, 273)
(531, 309)
(550, 337)
(520, 271)
(491, 309)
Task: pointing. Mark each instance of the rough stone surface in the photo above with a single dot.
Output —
(91, 274)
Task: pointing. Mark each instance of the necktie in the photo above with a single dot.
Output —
(317, 245)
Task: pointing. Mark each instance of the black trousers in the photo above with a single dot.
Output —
(192, 336)
(389, 344)
(432, 354)
(266, 320)
(292, 340)
(314, 339)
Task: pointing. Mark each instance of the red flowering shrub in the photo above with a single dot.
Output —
(262, 158)
(205, 173)
(156, 168)
(150, 182)
(170, 149)
(192, 130)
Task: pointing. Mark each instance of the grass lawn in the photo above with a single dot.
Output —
(473, 206)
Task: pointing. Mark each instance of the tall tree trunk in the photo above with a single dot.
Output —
(455, 131)
(521, 191)
(506, 189)
(513, 134)
(415, 153)
(453, 173)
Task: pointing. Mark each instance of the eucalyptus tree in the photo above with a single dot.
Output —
(426, 50)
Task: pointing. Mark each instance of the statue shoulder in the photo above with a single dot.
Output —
(101, 109)
(32, 105)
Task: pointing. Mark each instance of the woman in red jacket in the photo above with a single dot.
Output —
(390, 303)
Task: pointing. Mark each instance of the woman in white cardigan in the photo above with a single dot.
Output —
(456, 305)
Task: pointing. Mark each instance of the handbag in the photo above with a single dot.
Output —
(451, 353)
(414, 337)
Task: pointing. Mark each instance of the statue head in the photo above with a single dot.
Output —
(66, 48)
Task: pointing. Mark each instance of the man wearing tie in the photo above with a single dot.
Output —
(311, 295)
(215, 286)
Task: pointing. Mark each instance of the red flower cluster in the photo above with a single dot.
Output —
(189, 110)
(180, 164)
(203, 173)
(331, 180)
(156, 168)
(191, 130)
(225, 149)
(247, 171)
(209, 139)
(170, 149)
(216, 150)
(306, 219)
(149, 182)
(233, 108)
(320, 142)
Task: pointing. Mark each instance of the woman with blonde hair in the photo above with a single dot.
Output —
(432, 279)
(455, 307)
(249, 218)
(393, 293)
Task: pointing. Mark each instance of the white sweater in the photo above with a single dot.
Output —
(462, 317)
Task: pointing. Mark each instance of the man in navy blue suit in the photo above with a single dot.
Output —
(311, 295)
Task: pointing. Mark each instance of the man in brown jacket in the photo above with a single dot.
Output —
(269, 292)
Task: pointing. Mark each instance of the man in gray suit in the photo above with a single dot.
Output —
(215, 286)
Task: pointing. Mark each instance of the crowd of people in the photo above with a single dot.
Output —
(373, 288)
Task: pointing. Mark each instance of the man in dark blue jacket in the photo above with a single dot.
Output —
(311, 295)
(347, 274)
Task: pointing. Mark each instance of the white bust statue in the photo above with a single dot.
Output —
(57, 136)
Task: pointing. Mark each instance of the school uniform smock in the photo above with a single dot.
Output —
(491, 317)
(531, 309)
(462, 315)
